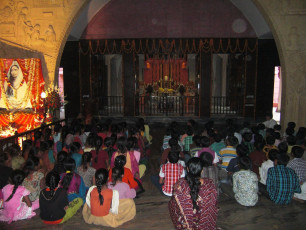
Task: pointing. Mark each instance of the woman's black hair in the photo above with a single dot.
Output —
(75, 147)
(4, 156)
(98, 144)
(44, 146)
(69, 166)
(33, 151)
(206, 159)
(120, 161)
(114, 138)
(130, 143)
(37, 135)
(59, 165)
(86, 158)
(121, 143)
(108, 142)
(52, 180)
(17, 178)
(90, 140)
(194, 167)
(117, 173)
(26, 145)
(47, 134)
(57, 128)
(30, 165)
(109, 147)
(101, 177)
(14, 150)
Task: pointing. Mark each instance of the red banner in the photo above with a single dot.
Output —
(175, 70)
(21, 84)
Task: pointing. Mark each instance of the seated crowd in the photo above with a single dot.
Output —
(94, 167)
(240, 162)
(99, 168)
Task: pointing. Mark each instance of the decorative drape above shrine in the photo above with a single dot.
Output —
(177, 47)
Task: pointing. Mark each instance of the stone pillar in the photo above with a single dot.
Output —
(128, 84)
(287, 22)
(205, 84)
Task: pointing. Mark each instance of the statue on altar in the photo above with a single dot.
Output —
(14, 90)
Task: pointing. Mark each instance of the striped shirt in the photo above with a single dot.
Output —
(226, 154)
(282, 183)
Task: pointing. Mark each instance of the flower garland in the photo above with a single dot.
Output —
(54, 100)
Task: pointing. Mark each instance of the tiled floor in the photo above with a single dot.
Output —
(152, 210)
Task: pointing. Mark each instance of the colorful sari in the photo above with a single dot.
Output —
(181, 209)
(77, 188)
(15, 209)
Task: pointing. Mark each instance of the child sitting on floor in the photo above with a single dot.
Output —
(102, 205)
(16, 202)
(86, 171)
(245, 183)
(170, 173)
(128, 177)
(123, 188)
(53, 202)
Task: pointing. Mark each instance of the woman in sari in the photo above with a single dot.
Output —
(72, 182)
(131, 162)
(193, 205)
(103, 206)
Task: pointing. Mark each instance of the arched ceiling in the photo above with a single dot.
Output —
(246, 7)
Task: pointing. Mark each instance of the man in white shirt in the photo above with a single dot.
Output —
(270, 122)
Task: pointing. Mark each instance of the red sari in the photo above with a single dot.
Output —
(181, 208)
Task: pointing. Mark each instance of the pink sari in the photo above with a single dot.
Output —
(15, 209)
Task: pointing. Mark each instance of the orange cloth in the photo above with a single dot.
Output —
(96, 208)
(53, 222)
(128, 160)
(127, 178)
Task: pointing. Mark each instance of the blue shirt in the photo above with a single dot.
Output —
(78, 160)
(282, 183)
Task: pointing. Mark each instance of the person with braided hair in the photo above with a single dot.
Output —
(131, 162)
(86, 171)
(35, 179)
(102, 205)
(72, 182)
(123, 188)
(53, 202)
(17, 204)
(194, 201)
(99, 156)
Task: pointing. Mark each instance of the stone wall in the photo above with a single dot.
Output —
(287, 19)
(39, 27)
